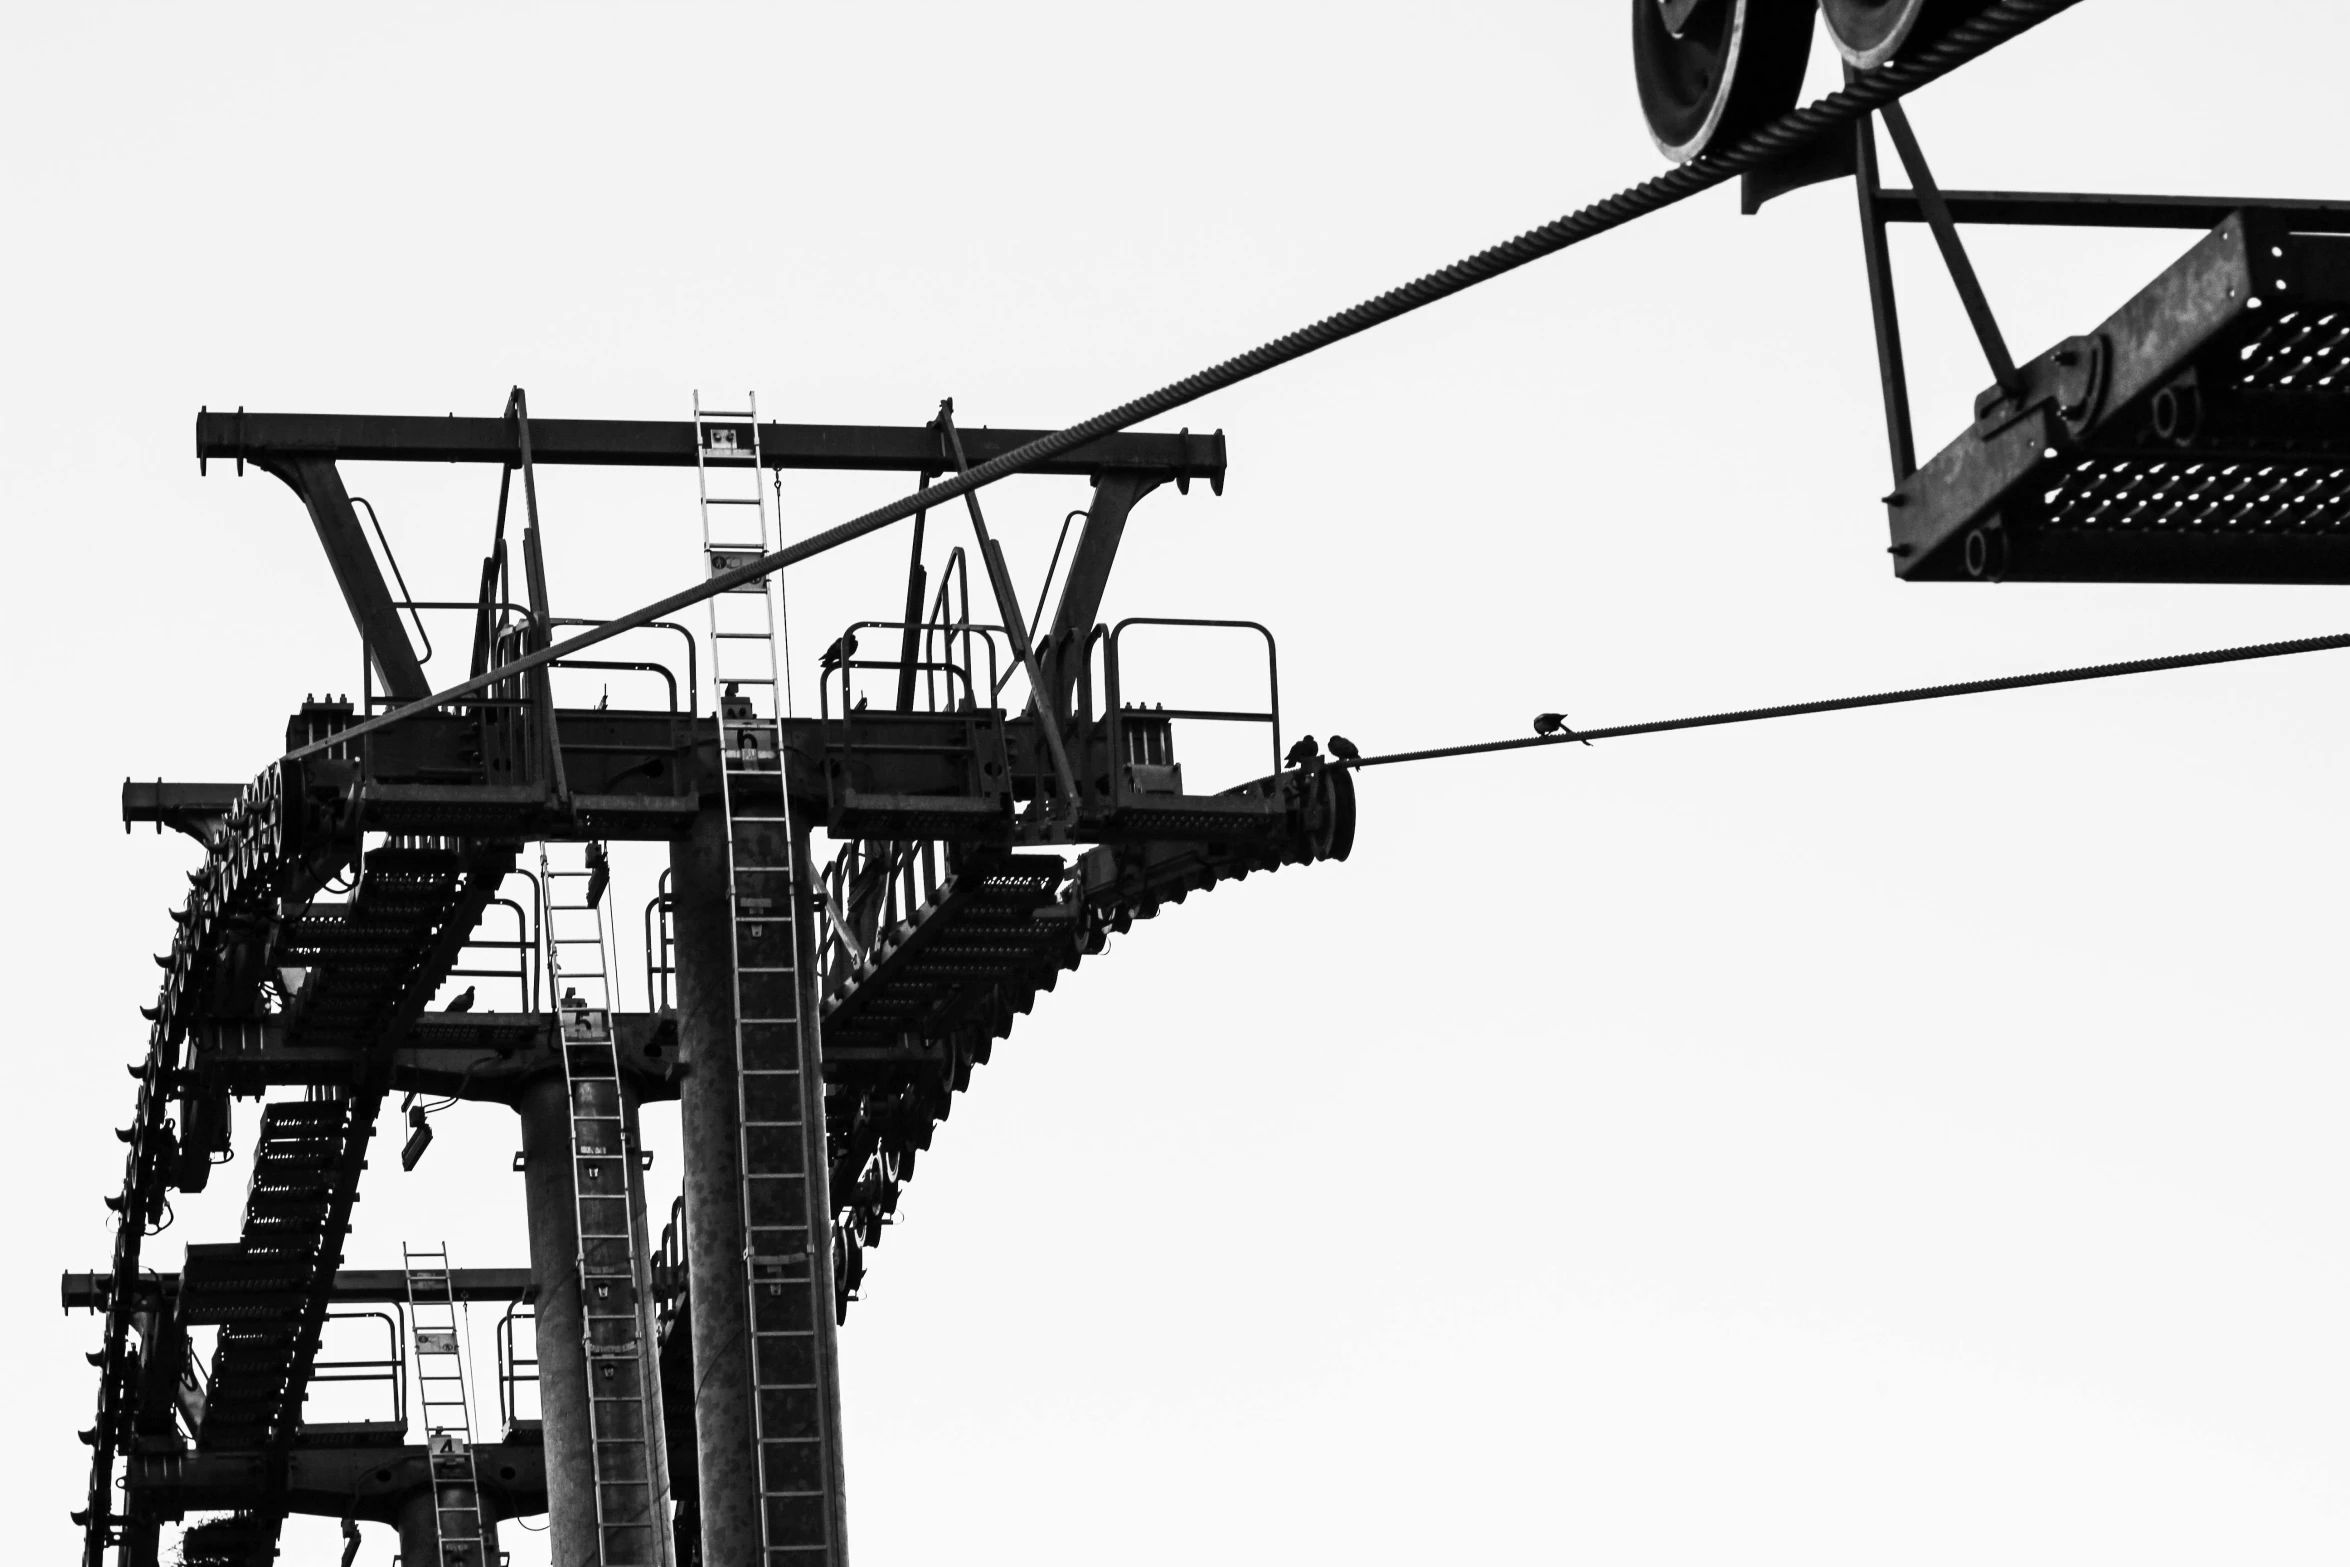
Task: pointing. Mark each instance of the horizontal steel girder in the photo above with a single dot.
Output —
(2054, 209)
(467, 1055)
(366, 1479)
(352, 1287)
(660, 443)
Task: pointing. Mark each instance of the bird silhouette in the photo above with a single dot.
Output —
(463, 1001)
(1548, 724)
(1344, 749)
(841, 651)
(1304, 752)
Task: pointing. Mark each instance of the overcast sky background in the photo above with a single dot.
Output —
(1910, 1136)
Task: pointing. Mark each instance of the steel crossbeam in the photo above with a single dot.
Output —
(669, 443)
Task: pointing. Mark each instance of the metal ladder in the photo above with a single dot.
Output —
(620, 1425)
(781, 1159)
(441, 1394)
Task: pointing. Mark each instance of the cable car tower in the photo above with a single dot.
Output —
(1000, 798)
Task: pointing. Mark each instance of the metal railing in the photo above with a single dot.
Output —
(661, 947)
(512, 1375)
(871, 886)
(524, 946)
(669, 1271)
(946, 667)
(1118, 715)
(390, 1369)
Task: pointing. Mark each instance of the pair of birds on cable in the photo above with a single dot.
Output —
(1548, 725)
(1307, 751)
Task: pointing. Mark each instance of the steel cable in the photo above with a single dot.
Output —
(1977, 35)
(1839, 704)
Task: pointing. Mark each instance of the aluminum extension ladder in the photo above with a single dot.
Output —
(776, 1101)
(448, 1414)
(576, 924)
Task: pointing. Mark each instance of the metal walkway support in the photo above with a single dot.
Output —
(767, 1241)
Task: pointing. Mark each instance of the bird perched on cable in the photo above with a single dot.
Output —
(1344, 749)
(599, 866)
(1304, 753)
(463, 1001)
(1548, 724)
(841, 651)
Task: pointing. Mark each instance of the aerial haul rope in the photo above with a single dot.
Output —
(1866, 94)
(1839, 704)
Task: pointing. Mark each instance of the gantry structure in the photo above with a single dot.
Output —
(813, 1020)
(982, 853)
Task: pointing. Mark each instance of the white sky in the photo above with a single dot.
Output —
(1907, 1136)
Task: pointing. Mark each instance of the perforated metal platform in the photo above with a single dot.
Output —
(2202, 434)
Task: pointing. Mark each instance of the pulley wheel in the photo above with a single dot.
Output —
(1870, 32)
(1733, 65)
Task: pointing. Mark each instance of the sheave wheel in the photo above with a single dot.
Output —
(1712, 70)
(1870, 32)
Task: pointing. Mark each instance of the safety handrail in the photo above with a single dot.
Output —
(692, 667)
(393, 561)
(511, 1362)
(955, 577)
(525, 970)
(669, 1268)
(660, 945)
(668, 677)
(1115, 709)
(390, 1369)
(946, 665)
(871, 885)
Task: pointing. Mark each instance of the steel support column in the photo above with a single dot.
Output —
(643, 1236)
(545, 1107)
(1115, 495)
(723, 1439)
(420, 1537)
(320, 485)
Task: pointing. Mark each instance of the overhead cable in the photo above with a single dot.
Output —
(1839, 704)
(1995, 25)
